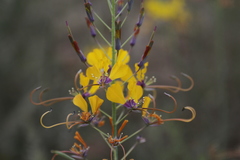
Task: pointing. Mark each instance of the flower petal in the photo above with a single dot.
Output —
(141, 72)
(95, 103)
(93, 73)
(119, 70)
(129, 75)
(134, 91)
(84, 81)
(123, 56)
(115, 94)
(79, 101)
(146, 102)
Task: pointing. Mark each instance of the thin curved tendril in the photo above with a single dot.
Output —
(47, 102)
(124, 152)
(161, 110)
(174, 88)
(58, 124)
(68, 116)
(76, 78)
(178, 82)
(41, 94)
(192, 110)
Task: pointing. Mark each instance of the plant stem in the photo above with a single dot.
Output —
(114, 109)
(113, 33)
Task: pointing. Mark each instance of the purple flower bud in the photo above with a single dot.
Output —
(119, 6)
(91, 27)
(141, 17)
(130, 2)
(118, 44)
(89, 11)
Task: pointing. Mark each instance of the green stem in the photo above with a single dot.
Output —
(101, 132)
(114, 119)
(102, 36)
(105, 113)
(113, 33)
(122, 118)
(113, 36)
(100, 19)
(129, 151)
(134, 134)
(121, 11)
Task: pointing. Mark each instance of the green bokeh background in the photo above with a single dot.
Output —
(35, 51)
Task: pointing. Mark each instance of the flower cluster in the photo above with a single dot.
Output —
(174, 11)
(126, 87)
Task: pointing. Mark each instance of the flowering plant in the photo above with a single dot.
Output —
(128, 90)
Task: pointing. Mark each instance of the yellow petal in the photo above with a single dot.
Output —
(141, 72)
(115, 94)
(123, 56)
(134, 91)
(95, 57)
(84, 81)
(95, 103)
(94, 88)
(93, 73)
(168, 10)
(129, 75)
(146, 103)
(119, 70)
(79, 101)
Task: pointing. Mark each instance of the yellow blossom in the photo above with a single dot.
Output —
(95, 103)
(169, 10)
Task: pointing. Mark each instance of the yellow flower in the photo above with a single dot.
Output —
(115, 94)
(84, 82)
(102, 59)
(169, 10)
(101, 70)
(95, 103)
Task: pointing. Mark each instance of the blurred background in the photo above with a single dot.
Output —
(198, 37)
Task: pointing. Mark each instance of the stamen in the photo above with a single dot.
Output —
(122, 126)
